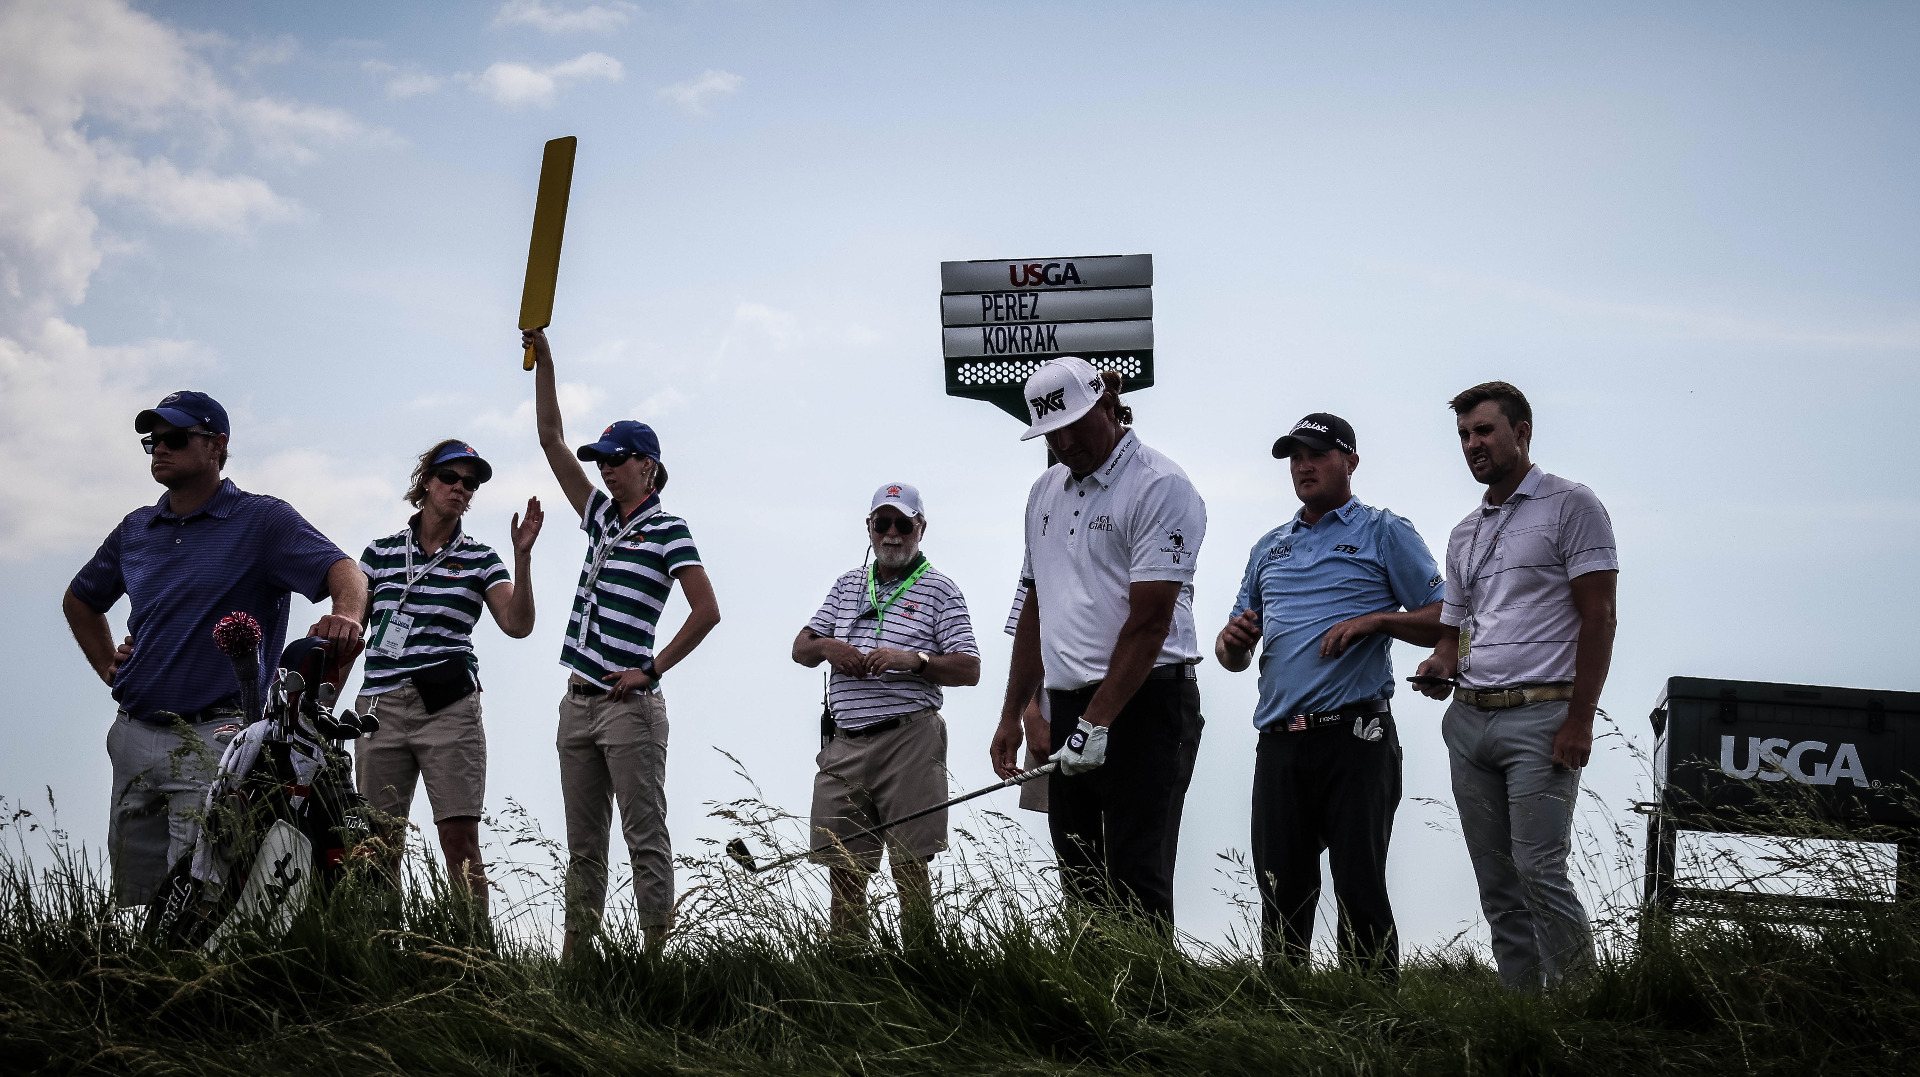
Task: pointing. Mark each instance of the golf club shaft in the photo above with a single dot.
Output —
(1021, 778)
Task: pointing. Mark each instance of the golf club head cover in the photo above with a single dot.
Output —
(238, 637)
(1086, 749)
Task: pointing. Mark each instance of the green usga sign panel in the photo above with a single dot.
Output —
(1001, 318)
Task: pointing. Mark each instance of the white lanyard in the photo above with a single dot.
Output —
(432, 564)
(600, 561)
(1507, 512)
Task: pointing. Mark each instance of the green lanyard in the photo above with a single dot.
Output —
(879, 607)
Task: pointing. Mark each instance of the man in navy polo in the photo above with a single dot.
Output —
(1326, 592)
(204, 550)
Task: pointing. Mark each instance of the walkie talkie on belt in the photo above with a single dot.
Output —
(826, 708)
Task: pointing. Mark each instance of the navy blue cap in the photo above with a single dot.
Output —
(1319, 431)
(460, 450)
(623, 436)
(183, 409)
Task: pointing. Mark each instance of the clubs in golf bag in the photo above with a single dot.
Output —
(281, 813)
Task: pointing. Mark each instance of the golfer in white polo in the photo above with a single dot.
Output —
(1113, 532)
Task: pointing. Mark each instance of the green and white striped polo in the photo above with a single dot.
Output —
(619, 608)
(444, 603)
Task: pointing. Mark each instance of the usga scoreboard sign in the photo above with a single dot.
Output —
(1001, 318)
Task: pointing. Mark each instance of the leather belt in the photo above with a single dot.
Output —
(885, 724)
(577, 688)
(222, 711)
(1307, 723)
(1495, 699)
(1172, 671)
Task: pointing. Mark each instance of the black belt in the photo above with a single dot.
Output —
(883, 725)
(1172, 671)
(1306, 723)
(224, 709)
(577, 688)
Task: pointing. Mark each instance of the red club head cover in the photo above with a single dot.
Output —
(237, 635)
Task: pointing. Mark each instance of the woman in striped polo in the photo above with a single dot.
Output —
(427, 583)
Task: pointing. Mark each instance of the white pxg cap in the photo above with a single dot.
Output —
(1060, 392)
(899, 495)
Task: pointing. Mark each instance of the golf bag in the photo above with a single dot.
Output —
(281, 815)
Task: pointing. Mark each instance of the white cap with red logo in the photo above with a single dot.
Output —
(1060, 392)
(899, 495)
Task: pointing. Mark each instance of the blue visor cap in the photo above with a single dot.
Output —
(183, 409)
(460, 450)
(623, 436)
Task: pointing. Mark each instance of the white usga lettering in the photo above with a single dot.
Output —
(1774, 759)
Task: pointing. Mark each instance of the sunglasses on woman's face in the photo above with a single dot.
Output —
(613, 460)
(902, 524)
(451, 477)
(172, 439)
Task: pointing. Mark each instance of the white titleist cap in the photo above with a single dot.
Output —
(1060, 392)
(899, 495)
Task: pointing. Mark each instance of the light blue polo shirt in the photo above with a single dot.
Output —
(1304, 580)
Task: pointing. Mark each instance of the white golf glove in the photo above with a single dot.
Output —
(1086, 749)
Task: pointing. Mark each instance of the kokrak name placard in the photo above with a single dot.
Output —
(1001, 318)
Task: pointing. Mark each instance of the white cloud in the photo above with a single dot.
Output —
(269, 53)
(59, 397)
(516, 84)
(553, 19)
(695, 96)
(89, 89)
(780, 328)
(412, 85)
(83, 83)
(576, 400)
(659, 405)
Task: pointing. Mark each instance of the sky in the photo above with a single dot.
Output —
(1689, 234)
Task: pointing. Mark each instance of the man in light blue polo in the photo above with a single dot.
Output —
(1326, 593)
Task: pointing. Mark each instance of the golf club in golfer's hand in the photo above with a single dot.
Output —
(737, 848)
(1085, 750)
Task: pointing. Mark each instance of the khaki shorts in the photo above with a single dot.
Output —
(867, 780)
(448, 748)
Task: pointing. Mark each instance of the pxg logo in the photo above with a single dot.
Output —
(1054, 401)
(1766, 761)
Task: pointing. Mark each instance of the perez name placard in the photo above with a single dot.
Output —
(1001, 318)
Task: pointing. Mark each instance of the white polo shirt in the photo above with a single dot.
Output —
(1137, 518)
(1509, 589)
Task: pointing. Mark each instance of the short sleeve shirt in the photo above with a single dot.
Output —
(1509, 580)
(636, 576)
(1136, 518)
(239, 552)
(1304, 580)
(444, 602)
(929, 616)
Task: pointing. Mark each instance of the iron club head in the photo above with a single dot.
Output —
(737, 849)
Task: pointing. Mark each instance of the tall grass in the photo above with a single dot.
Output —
(1009, 984)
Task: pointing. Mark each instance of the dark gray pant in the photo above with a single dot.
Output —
(1116, 829)
(1327, 791)
(1516, 812)
(160, 784)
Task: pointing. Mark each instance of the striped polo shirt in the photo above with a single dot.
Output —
(636, 577)
(1510, 569)
(445, 601)
(930, 616)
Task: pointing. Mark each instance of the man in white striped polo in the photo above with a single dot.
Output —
(1527, 634)
(428, 582)
(894, 632)
(613, 719)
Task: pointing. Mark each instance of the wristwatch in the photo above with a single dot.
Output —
(925, 661)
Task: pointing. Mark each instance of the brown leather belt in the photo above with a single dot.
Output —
(1495, 699)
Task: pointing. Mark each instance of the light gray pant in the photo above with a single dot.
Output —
(160, 784)
(1516, 812)
(615, 752)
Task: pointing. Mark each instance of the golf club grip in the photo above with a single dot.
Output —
(528, 363)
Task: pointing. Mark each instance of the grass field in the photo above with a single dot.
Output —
(1010, 985)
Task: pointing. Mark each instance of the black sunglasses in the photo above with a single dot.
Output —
(615, 459)
(450, 477)
(172, 439)
(882, 524)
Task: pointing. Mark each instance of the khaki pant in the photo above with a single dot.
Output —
(864, 781)
(447, 748)
(160, 784)
(615, 752)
